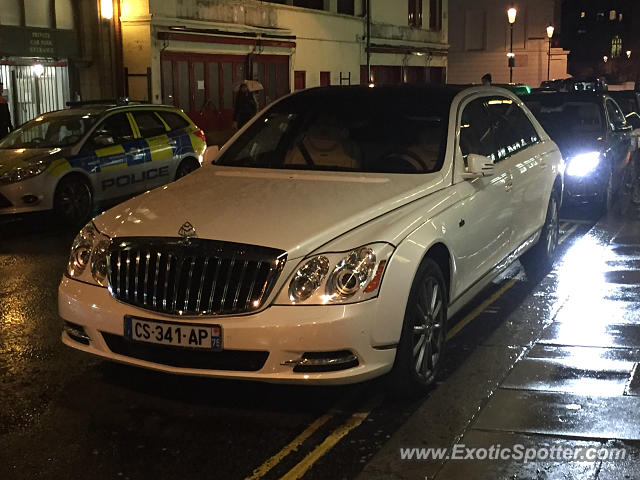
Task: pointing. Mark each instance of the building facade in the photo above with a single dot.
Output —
(193, 53)
(604, 38)
(480, 37)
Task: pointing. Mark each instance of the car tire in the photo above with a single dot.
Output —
(541, 256)
(422, 342)
(187, 166)
(73, 201)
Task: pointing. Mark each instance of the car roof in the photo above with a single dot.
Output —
(97, 109)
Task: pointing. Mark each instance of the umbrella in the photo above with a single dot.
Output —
(253, 85)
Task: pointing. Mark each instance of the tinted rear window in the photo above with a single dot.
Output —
(174, 120)
(568, 117)
(359, 130)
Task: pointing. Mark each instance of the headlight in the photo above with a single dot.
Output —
(336, 278)
(88, 258)
(583, 164)
(22, 173)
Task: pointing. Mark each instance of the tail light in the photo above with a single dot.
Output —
(200, 134)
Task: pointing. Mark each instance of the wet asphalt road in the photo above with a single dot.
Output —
(518, 348)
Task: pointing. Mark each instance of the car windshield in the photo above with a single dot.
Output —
(347, 130)
(561, 118)
(49, 131)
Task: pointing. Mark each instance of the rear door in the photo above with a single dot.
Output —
(180, 138)
(158, 152)
(517, 140)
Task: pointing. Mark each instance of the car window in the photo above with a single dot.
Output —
(114, 130)
(148, 124)
(476, 134)
(339, 132)
(175, 121)
(513, 130)
(616, 117)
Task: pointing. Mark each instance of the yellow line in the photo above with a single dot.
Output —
(263, 469)
(471, 316)
(334, 437)
(567, 233)
(479, 309)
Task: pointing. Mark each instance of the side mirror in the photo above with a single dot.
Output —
(478, 166)
(633, 119)
(103, 140)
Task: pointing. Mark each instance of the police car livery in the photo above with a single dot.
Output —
(72, 159)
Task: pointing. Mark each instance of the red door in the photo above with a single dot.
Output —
(299, 80)
(325, 79)
(203, 85)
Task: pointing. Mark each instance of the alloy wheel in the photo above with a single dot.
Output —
(428, 331)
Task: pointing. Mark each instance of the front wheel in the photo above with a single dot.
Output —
(541, 256)
(73, 201)
(422, 341)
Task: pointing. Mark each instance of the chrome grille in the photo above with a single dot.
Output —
(192, 276)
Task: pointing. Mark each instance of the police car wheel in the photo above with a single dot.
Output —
(73, 201)
(187, 166)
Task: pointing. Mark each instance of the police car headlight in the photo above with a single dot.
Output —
(22, 173)
(338, 278)
(88, 258)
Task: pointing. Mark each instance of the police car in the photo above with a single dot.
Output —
(70, 160)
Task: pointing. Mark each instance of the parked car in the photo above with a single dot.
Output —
(329, 243)
(71, 159)
(594, 137)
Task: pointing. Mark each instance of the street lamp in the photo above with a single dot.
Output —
(550, 30)
(106, 9)
(511, 16)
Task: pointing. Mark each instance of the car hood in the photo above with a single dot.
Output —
(292, 211)
(573, 144)
(21, 158)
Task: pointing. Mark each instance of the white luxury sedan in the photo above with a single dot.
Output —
(328, 242)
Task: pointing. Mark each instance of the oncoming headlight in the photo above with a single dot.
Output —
(583, 164)
(88, 258)
(336, 278)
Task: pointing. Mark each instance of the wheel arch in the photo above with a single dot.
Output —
(77, 174)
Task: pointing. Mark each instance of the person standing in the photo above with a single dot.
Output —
(245, 107)
(5, 115)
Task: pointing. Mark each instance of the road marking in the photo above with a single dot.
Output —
(332, 439)
(471, 316)
(479, 309)
(263, 469)
(567, 233)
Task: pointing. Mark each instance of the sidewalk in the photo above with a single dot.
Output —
(561, 371)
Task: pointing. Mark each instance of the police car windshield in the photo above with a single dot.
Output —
(49, 131)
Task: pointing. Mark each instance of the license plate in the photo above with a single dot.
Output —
(174, 334)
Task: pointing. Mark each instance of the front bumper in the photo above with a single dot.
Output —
(30, 195)
(262, 346)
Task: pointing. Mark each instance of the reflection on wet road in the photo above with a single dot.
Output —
(548, 360)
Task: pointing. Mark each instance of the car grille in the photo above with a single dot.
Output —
(192, 276)
(236, 360)
(4, 202)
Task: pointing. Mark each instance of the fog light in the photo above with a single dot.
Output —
(77, 333)
(315, 362)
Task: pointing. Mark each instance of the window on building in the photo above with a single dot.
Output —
(346, 7)
(299, 80)
(415, 13)
(315, 4)
(325, 79)
(616, 46)
(583, 14)
(612, 15)
(10, 12)
(64, 14)
(37, 13)
(435, 15)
